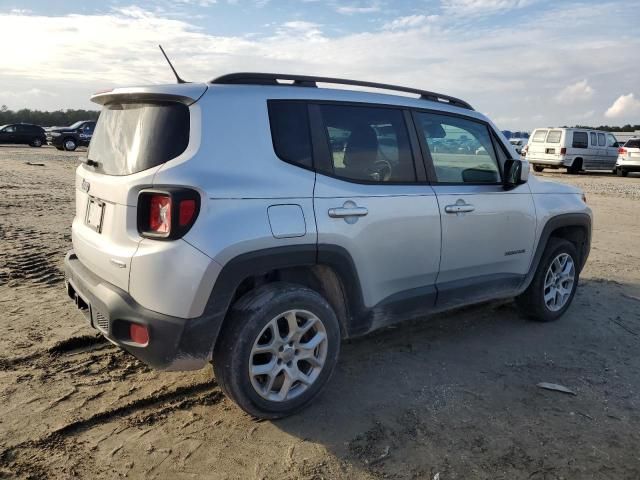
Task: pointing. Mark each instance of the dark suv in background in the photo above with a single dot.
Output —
(69, 138)
(23, 133)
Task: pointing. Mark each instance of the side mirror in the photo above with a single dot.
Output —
(514, 173)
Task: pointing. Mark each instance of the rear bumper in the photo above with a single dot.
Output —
(545, 161)
(628, 165)
(174, 343)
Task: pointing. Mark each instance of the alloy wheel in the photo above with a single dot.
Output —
(558, 282)
(288, 355)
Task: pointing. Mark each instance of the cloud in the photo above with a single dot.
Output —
(509, 71)
(354, 9)
(409, 21)
(626, 106)
(576, 92)
(477, 7)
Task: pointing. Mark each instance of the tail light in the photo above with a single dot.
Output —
(622, 151)
(563, 151)
(168, 213)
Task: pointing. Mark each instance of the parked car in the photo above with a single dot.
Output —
(69, 138)
(22, 133)
(518, 143)
(576, 149)
(628, 157)
(223, 227)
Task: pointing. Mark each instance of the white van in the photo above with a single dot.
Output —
(574, 148)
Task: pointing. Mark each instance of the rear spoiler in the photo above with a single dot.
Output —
(187, 93)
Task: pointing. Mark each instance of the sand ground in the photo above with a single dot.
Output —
(453, 395)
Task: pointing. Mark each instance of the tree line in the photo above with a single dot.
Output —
(59, 118)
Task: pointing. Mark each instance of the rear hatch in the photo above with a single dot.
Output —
(139, 129)
(631, 150)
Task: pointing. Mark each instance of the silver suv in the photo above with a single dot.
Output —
(257, 220)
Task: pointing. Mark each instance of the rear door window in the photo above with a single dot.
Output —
(554, 136)
(539, 136)
(131, 137)
(632, 144)
(580, 140)
(368, 144)
(594, 139)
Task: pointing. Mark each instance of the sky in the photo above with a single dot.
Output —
(524, 63)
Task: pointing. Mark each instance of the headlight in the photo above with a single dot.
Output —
(55, 134)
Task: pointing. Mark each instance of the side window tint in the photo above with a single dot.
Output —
(601, 140)
(611, 141)
(290, 131)
(461, 149)
(368, 144)
(580, 140)
(594, 139)
(10, 129)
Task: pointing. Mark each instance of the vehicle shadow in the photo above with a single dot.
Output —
(457, 392)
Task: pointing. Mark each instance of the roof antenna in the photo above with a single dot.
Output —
(170, 65)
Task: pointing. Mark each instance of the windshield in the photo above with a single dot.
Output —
(76, 125)
(131, 137)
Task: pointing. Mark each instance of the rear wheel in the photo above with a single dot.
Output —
(69, 144)
(554, 283)
(538, 168)
(576, 167)
(36, 142)
(621, 172)
(277, 350)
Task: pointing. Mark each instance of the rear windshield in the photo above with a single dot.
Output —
(539, 136)
(131, 137)
(554, 136)
(635, 143)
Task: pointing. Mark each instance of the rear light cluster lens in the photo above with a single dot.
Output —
(563, 151)
(622, 151)
(160, 213)
(167, 214)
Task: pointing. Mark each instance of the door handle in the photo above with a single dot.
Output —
(459, 207)
(343, 212)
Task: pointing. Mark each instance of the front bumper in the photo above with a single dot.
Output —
(174, 343)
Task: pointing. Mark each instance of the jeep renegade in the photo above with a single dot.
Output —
(255, 221)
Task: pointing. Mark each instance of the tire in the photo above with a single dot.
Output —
(531, 302)
(256, 322)
(621, 172)
(538, 168)
(36, 142)
(59, 147)
(69, 144)
(576, 167)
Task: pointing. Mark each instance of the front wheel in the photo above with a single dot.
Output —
(277, 350)
(36, 142)
(538, 168)
(69, 144)
(554, 283)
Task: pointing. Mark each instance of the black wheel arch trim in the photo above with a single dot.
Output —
(581, 220)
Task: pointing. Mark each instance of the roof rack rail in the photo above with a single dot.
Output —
(249, 78)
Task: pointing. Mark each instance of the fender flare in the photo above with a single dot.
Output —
(581, 220)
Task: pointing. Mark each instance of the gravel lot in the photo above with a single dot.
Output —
(454, 395)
